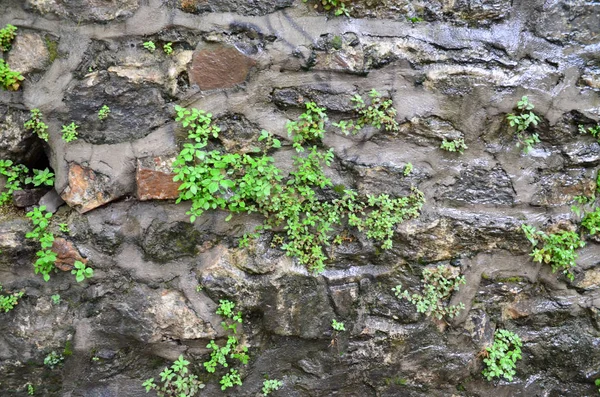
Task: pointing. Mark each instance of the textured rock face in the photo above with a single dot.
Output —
(253, 65)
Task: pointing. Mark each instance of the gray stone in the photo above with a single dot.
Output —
(27, 197)
(52, 201)
(29, 54)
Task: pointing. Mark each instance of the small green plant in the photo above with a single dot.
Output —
(9, 79)
(338, 6)
(168, 49)
(176, 381)
(36, 124)
(7, 35)
(378, 113)
(597, 383)
(199, 288)
(15, 177)
(41, 177)
(456, 145)
(414, 19)
(309, 127)
(558, 249)
(408, 169)
(270, 385)
(8, 302)
(81, 271)
(55, 299)
(438, 286)
(30, 389)
(53, 359)
(337, 326)
(593, 131)
(63, 227)
(103, 112)
(522, 121)
(502, 356)
(591, 221)
(70, 132)
(150, 46)
(46, 257)
(232, 349)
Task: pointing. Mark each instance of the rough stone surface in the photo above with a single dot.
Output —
(27, 197)
(29, 53)
(154, 177)
(219, 67)
(87, 189)
(66, 254)
(253, 65)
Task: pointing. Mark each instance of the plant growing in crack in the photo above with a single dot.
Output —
(377, 112)
(176, 381)
(456, 145)
(523, 120)
(438, 286)
(501, 358)
(36, 124)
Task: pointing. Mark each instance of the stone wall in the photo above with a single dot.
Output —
(253, 65)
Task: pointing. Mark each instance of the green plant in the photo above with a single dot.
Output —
(456, 145)
(408, 169)
(103, 112)
(150, 46)
(36, 124)
(338, 6)
(81, 271)
(231, 349)
(41, 177)
(63, 227)
(591, 221)
(7, 35)
(414, 19)
(15, 176)
(597, 383)
(250, 182)
(337, 326)
(502, 356)
(30, 389)
(9, 79)
(55, 299)
(593, 131)
(270, 385)
(69, 132)
(168, 49)
(46, 257)
(53, 359)
(309, 127)
(177, 381)
(558, 249)
(522, 121)
(378, 113)
(8, 302)
(438, 286)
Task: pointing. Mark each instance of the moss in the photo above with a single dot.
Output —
(52, 46)
(68, 351)
(514, 279)
(339, 189)
(336, 42)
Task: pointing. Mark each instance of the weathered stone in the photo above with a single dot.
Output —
(478, 184)
(244, 7)
(87, 10)
(29, 53)
(339, 53)
(52, 201)
(16, 143)
(27, 197)
(164, 242)
(343, 298)
(176, 320)
(66, 254)
(86, 189)
(219, 66)
(560, 189)
(154, 178)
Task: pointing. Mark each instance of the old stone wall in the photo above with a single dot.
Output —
(455, 74)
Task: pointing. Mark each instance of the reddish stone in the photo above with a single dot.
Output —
(219, 67)
(87, 189)
(66, 254)
(154, 177)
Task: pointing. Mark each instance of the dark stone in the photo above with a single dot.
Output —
(165, 242)
(52, 201)
(16, 143)
(480, 185)
(88, 10)
(28, 197)
(244, 7)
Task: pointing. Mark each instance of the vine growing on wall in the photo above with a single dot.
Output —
(251, 182)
